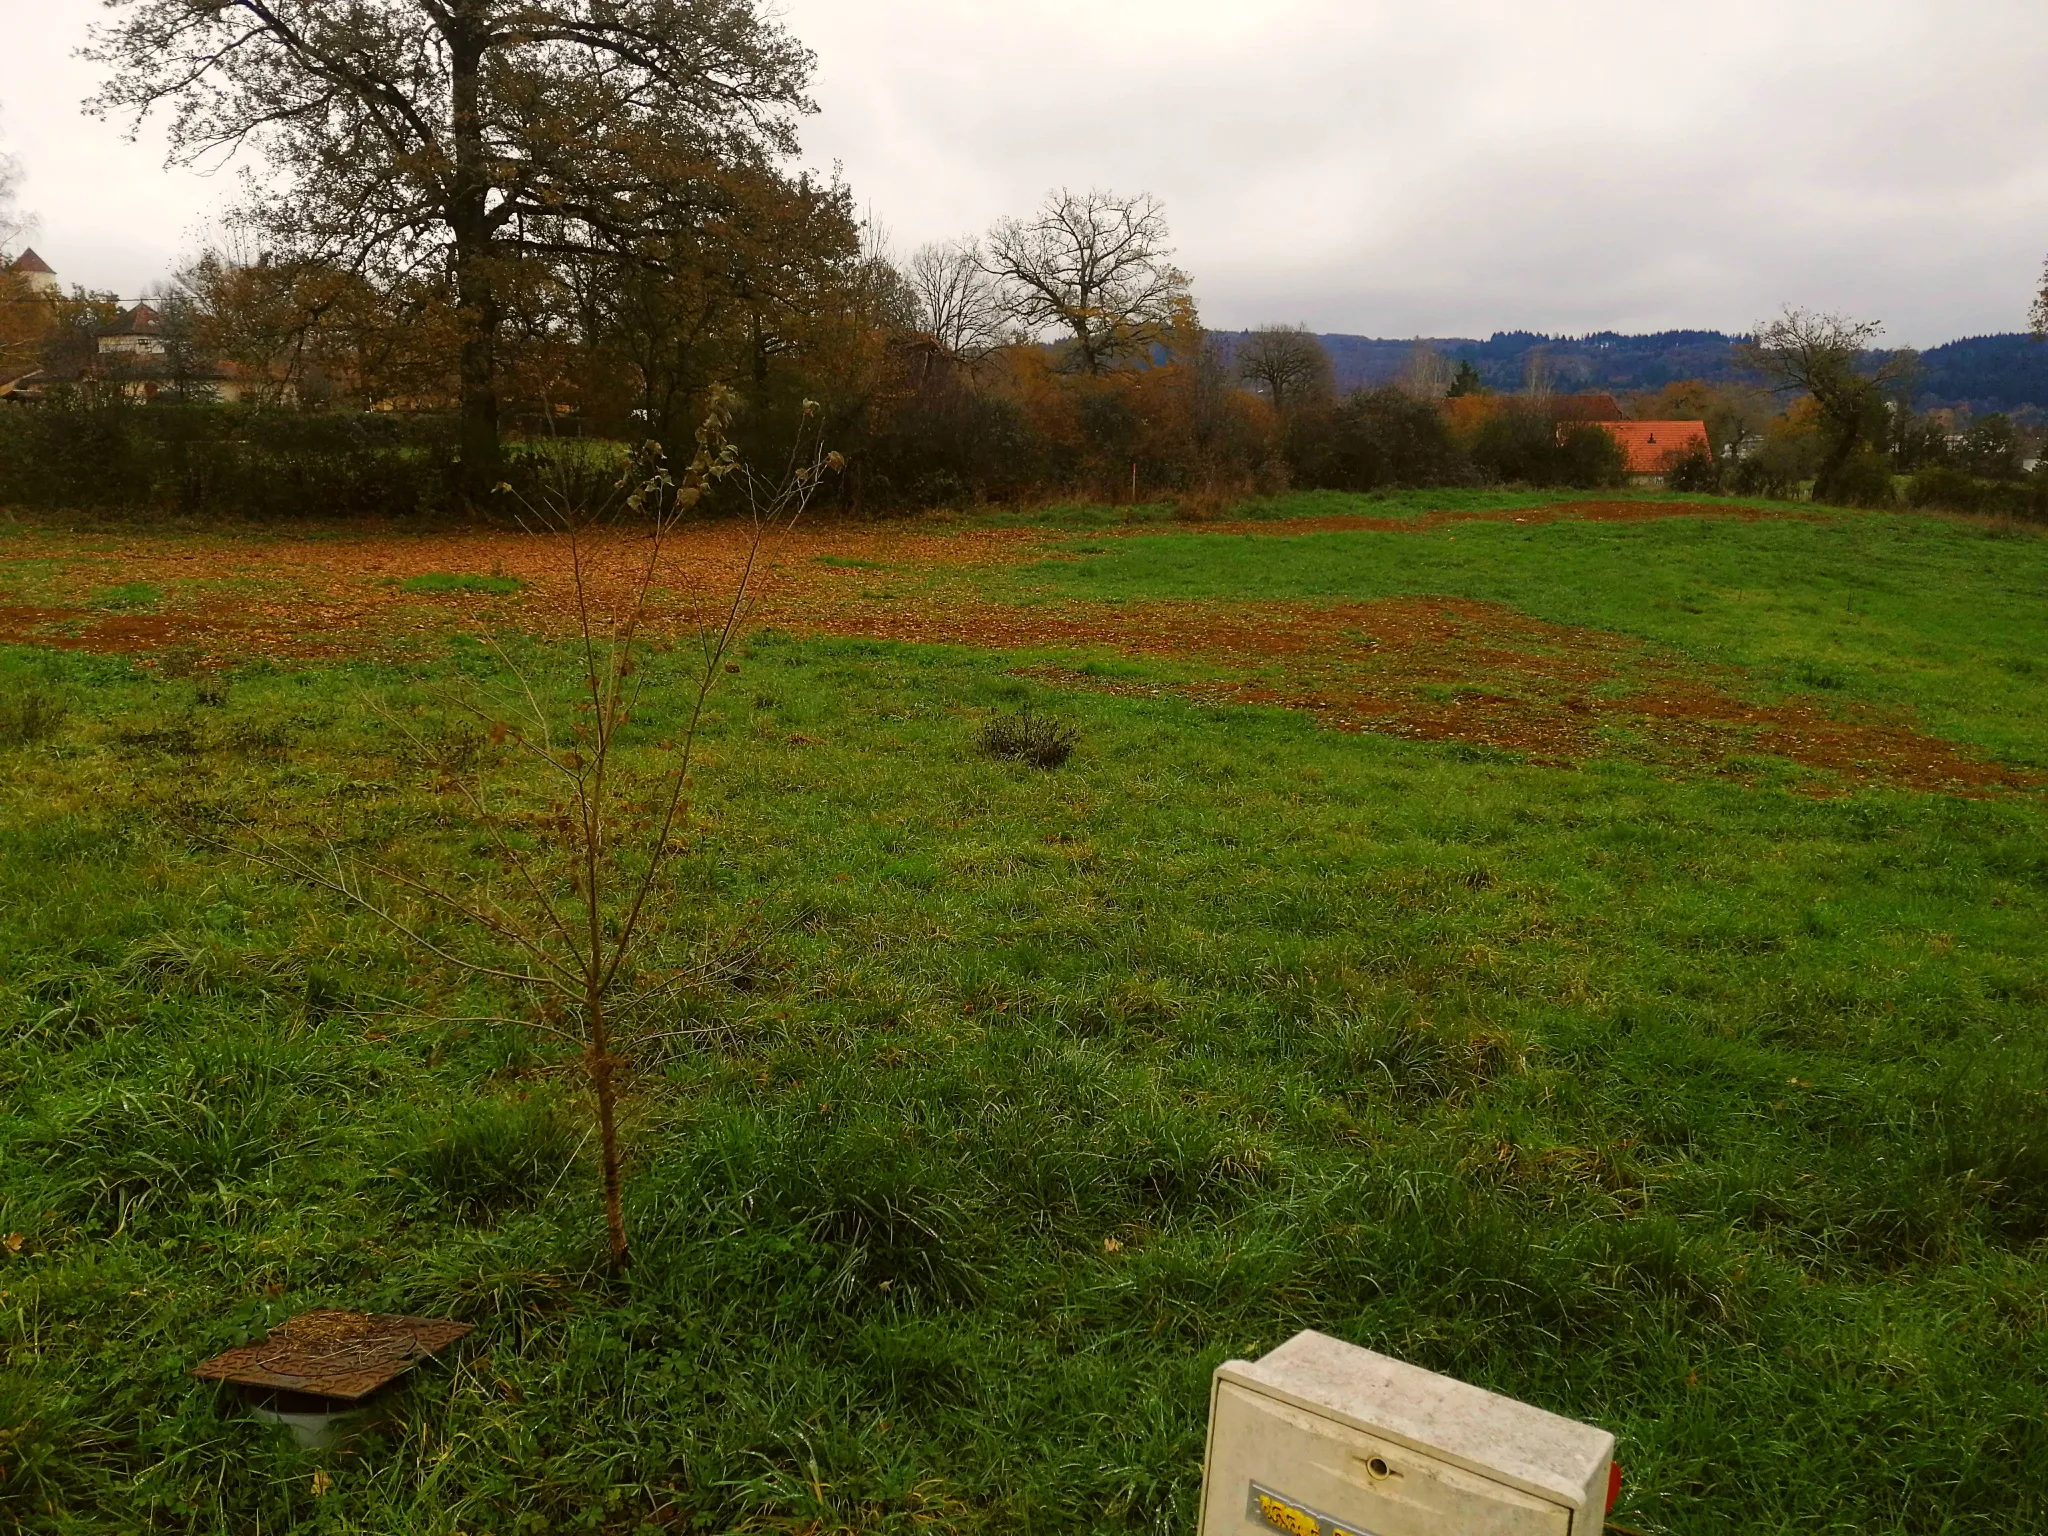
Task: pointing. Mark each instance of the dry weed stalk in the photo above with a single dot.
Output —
(581, 874)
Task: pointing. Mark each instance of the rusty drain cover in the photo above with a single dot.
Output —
(329, 1353)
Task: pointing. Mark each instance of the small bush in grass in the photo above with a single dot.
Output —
(1028, 737)
(29, 715)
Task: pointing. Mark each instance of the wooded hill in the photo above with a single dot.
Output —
(1982, 374)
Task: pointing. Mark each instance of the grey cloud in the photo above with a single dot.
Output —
(1453, 167)
(1464, 167)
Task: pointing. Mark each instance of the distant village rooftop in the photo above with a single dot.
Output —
(142, 320)
(1653, 447)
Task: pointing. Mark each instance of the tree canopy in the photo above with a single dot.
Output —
(1829, 358)
(1287, 362)
(1095, 265)
(456, 140)
(958, 304)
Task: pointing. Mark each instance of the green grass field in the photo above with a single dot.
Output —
(1013, 1101)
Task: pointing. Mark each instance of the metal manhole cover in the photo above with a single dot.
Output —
(330, 1353)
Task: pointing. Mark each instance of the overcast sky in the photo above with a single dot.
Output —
(1453, 167)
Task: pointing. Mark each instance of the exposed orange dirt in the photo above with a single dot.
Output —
(1440, 669)
(1452, 669)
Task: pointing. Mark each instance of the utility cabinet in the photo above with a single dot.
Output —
(1322, 1438)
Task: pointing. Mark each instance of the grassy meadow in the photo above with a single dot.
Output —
(1011, 1101)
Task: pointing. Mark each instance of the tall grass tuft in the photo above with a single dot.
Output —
(1026, 736)
(491, 1154)
(30, 714)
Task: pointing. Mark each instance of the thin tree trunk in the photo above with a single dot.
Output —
(476, 299)
(603, 1086)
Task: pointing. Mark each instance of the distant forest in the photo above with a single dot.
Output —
(1980, 374)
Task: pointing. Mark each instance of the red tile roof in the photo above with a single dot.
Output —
(1653, 447)
(139, 321)
(29, 261)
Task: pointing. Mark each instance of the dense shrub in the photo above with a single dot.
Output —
(1865, 481)
(1786, 459)
(1522, 444)
(222, 460)
(1762, 475)
(1371, 439)
(939, 440)
(1588, 457)
(1991, 450)
(1955, 490)
(1695, 470)
(1015, 426)
(939, 431)
(1938, 485)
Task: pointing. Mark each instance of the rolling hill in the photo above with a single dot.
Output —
(1980, 374)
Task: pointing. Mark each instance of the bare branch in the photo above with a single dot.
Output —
(1095, 265)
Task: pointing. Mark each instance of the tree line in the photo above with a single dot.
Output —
(526, 219)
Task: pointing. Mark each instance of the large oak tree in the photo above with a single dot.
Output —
(1288, 363)
(1097, 266)
(466, 139)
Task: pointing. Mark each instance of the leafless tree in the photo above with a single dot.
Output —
(1427, 373)
(582, 821)
(1829, 357)
(1537, 374)
(958, 304)
(1095, 265)
(1287, 362)
(13, 223)
(876, 290)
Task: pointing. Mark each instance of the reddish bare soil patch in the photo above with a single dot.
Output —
(85, 629)
(305, 598)
(1452, 669)
(1440, 669)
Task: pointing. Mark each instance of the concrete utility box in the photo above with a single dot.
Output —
(1322, 1438)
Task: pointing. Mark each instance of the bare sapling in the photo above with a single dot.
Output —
(583, 818)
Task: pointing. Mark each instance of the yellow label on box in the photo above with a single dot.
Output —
(1283, 1514)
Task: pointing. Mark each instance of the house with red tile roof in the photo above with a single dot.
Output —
(1652, 448)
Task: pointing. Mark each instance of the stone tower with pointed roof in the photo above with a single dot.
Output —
(36, 272)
